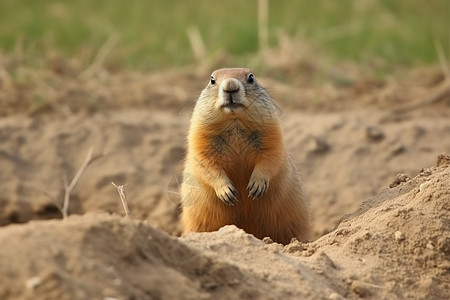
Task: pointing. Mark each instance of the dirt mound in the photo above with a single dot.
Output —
(396, 246)
(348, 135)
(139, 149)
(344, 158)
(99, 256)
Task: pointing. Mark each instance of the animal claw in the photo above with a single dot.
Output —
(257, 189)
(228, 195)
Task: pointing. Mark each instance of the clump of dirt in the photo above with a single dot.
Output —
(396, 246)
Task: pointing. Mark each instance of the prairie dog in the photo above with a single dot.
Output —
(237, 170)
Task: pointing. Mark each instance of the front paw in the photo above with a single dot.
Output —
(257, 186)
(228, 194)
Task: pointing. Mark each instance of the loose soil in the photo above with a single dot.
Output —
(365, 148)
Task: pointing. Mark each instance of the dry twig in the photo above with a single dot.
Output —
(123, 197)
(69, 187)
(443, 91)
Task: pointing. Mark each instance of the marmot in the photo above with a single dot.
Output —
(237, 170)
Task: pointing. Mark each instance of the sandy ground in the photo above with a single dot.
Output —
(350, 141)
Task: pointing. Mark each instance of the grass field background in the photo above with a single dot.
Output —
(153, 34)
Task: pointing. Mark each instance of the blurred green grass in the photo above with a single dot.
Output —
(153, 34)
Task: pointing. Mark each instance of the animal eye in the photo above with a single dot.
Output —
(251, 78)
(213, 80)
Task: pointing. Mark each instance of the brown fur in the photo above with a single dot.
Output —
(241, 151)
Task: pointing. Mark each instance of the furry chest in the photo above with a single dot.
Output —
(237, 144)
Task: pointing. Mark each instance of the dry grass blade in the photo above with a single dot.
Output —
(263, 27)
(197, 44)
(69, 187)
(100, 57)
(123, 197)
(445, 66)
(442, 92)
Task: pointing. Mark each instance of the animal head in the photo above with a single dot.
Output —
(235, 94)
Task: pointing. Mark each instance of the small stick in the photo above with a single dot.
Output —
(123, 197)
(69, 187)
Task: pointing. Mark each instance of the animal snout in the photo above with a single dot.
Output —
(230, 85)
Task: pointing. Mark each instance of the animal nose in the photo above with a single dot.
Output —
(230, 85)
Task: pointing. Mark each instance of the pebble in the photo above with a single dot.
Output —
(399, 236)
(267, 240)
(400, 178)
(317, 145)
(33, 283)
(374, 134)
(360, 288)
(424, 186)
